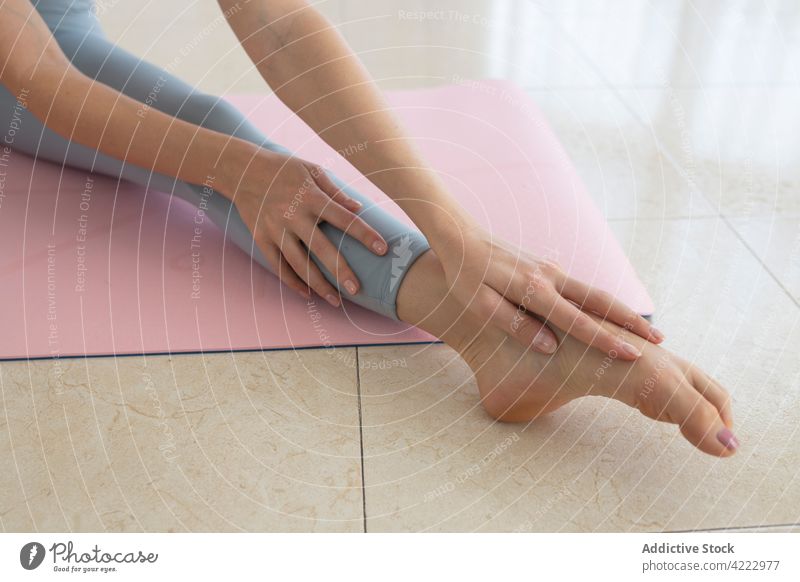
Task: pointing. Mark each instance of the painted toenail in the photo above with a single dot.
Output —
(726, 437)
(544, 343)
(630, 349)
(657, 333)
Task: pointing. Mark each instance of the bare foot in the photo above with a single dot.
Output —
(518, 385)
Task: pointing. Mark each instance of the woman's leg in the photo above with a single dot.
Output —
(515, 384)
(100, 59)
(518, 385)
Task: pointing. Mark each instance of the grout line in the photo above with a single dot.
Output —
(735, 528)
(763, 264)
(361, 442)
(202, 352)
(663, 150)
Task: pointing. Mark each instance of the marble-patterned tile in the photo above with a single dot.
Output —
(433, 460)
(776, 241)
(618, 157)
(738, 145)
(697, 43)
(222, 442)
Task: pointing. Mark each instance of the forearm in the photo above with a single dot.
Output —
(96, 116)
(311, 69)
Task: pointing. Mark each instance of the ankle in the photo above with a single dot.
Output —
(423, 301)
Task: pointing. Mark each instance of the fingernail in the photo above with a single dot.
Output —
(333, 300)
(727, 438)
(656, 333)
(356, 203)
(379, 247)
(630, 349)
(544, 343)
(350, 286)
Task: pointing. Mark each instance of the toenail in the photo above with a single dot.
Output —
(726, 437)
(630, 350)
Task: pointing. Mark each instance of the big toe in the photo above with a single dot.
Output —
(702, 423)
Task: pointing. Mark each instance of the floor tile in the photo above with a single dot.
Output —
(776, 241)
(692, 44)
(737, 145)
(251, 441)
(435, 461)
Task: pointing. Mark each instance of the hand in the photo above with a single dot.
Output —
(282, 200)
(507, 287)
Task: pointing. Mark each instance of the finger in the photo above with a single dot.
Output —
(575, 322)
(323, 249)
(284, 272)
(353, 225)
(490, 306)
(608, 307)
(298, 258)
(329, 187)
(714, 393)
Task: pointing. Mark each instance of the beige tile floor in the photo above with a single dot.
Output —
(680, 116)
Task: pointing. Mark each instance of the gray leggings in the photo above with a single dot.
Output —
(80, 37)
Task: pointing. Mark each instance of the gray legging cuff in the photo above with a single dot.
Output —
(380, 277)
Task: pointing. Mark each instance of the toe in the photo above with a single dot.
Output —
(702, 423)
(715, 394)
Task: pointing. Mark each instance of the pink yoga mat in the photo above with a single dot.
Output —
(90, 266)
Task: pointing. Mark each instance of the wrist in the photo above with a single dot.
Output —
(449, 233)
(232, 164)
